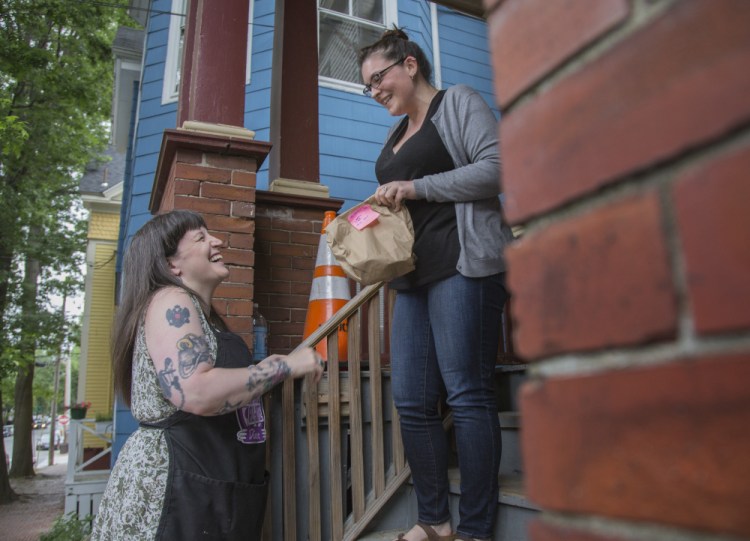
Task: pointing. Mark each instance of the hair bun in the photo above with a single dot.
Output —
(394, 33)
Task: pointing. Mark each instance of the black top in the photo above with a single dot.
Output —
(436, 244)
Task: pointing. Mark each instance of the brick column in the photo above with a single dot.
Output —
(215, 175)
(626, 159)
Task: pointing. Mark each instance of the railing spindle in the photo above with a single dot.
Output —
(356, 427)
(334, 438)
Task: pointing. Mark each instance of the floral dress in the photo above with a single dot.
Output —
(132, 504)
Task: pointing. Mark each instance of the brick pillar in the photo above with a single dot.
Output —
(626, 159)
(215, 175)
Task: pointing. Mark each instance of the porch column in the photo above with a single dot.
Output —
(293, 164)
(212, 84)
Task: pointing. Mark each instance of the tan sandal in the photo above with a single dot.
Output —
(432, 535)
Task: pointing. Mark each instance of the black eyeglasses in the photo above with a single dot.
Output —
(377, 78)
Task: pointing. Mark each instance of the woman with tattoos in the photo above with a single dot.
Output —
(195, 467)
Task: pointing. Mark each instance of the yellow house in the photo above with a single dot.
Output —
(103, 202)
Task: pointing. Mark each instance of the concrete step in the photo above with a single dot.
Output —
(385, 535)
(514, 511)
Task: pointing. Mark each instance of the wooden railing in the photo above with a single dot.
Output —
(83, 487)
(340, 440)
(344, 413)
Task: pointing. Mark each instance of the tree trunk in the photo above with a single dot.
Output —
(23, 463)
(7, 495)
(6, 491)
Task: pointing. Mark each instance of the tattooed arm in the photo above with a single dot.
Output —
(185, 367)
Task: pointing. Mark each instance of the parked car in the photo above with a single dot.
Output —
(7, 431)
(41, 421)
(43, 441)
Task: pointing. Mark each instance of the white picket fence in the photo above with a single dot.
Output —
(84, 488)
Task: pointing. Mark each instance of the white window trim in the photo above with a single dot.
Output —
(437, 68)
(250, 26)
(390, 17)
(169, 93)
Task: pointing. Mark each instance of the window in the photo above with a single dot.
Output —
(344, 27)
(173, 64)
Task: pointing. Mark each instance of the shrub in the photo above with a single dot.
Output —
(69, 528)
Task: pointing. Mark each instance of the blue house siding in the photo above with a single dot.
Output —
(352, 128)
(153, 118)
(464, 53)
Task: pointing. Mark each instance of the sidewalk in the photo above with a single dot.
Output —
(41, 501)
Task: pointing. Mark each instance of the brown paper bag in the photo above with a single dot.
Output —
(381, 251)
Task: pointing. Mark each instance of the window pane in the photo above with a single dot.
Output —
(340, 40)
(372, 10)
(180, 46)
(342, 6)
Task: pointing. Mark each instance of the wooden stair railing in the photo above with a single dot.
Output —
(340, 395)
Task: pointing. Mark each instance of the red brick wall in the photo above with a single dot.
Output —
(626, 158)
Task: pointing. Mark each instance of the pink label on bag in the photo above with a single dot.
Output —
(362, 217)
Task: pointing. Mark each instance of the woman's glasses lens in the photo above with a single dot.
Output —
(377, 78)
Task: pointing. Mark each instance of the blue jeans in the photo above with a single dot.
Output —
(445, 338)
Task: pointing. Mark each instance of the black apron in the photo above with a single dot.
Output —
(217, 483)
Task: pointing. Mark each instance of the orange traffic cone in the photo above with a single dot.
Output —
(329, 292)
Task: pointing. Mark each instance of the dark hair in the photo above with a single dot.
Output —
(145, 271)
(394, 45)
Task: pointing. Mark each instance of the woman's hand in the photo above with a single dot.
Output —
(306, 361)
(394, 193)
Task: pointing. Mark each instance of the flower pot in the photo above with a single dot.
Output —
(78, 413)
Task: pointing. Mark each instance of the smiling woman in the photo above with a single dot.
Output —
(441, 161)
(195, 391)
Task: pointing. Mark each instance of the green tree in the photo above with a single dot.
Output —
(55, 97)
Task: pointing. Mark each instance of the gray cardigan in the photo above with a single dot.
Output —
(469, 132)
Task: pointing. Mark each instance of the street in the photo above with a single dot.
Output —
(41, 455)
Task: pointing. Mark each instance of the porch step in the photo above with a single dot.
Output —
(385, 535)
(508, 380)
(511, 463)
(514, 511)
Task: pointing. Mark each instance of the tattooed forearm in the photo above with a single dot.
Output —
(192, 350)
(265, 376)
(229, 407)
(168, 381)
